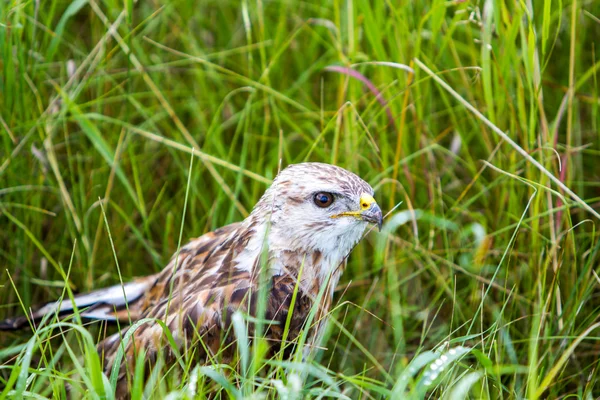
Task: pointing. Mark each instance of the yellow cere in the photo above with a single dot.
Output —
(366, 200)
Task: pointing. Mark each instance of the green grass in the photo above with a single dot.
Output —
(488, 268)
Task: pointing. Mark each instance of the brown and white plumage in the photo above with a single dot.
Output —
(294, 231)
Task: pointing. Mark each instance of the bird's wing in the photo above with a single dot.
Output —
(196, 300)
(194, 296)
(127, 302)
(201, 326)
(103, 304)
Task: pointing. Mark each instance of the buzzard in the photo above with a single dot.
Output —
(293, 245)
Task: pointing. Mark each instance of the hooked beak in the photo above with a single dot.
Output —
(369, 211)
(373, 215)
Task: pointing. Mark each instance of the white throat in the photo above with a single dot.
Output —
(317, 255)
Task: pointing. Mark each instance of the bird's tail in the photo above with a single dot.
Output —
(115, 303)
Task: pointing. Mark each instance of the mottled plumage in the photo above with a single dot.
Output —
(292, 231)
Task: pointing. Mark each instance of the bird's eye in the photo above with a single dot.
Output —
(323, 199)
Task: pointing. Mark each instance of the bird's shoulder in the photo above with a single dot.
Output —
(196, 268)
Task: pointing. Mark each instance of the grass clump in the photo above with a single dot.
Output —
(484, 282)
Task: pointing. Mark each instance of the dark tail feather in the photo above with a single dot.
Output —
(100, 304)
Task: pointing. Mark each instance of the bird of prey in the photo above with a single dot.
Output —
(297, 238)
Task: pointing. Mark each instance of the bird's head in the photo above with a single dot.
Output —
(315, 206)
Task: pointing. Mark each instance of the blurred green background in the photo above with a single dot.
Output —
(101, 102)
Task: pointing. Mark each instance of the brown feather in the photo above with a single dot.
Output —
(219, 274)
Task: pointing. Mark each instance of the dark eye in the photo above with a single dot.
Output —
(323, 199)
